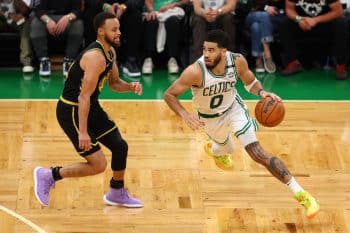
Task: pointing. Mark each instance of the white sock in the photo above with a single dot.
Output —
(294, 186)
(215, 149)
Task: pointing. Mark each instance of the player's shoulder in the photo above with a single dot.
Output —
(239, 60)
(192, 75)
(193, 70)
(94, 55)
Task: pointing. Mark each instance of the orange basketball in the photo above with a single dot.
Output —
(269, 112)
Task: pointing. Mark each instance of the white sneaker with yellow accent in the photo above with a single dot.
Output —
(222, 161)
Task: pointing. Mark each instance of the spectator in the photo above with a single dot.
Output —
(212, 14)
(129, 13)
(318, 19)
(162, 24)
(59, 19)
(259, 23)
(16, 13)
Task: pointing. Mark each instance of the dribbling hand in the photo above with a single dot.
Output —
(136, 87)
(272, 95)
(84, 141)
(193, 121)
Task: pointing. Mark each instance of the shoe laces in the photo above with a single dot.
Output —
(124, 193)
(224, 158)
(172, 62)
(303, 199)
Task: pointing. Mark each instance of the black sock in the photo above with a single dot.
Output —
(56, 173)
(117, 184)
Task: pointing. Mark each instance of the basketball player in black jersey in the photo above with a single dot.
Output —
(85, 122)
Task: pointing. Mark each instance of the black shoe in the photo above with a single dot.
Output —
(131, 68)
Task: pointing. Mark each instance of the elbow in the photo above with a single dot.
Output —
(83, 98)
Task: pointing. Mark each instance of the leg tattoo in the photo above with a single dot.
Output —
(272, 163)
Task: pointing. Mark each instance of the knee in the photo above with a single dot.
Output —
(172, 21)
(100, 166)
(77, 28)
(37, 28)
(257, 153)
(255, 27)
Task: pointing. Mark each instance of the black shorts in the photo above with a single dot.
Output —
(99, 124)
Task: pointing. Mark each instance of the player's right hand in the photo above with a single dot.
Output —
(193, 121)
(84, 141)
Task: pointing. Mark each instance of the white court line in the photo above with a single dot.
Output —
(160, 100)
(23, 219)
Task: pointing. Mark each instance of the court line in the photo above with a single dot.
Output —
(22, 219)
(160, 100)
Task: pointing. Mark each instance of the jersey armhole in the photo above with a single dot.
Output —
(200, 64)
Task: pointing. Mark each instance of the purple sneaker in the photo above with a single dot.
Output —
(121, 197)
(43, 182)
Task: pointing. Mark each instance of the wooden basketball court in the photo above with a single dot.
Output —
(182, 189)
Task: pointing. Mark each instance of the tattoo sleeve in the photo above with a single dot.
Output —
(272, 163)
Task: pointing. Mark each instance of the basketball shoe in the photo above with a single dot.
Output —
(223, 161)
(309, 202)
(121, 197)
(43, 182)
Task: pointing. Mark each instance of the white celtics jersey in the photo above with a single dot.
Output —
(217, 93)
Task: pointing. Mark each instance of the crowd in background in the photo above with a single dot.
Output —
(171, 32)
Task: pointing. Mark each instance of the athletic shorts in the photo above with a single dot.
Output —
(99, 124)
(235, 120)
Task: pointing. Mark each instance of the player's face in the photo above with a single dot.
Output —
(112, 32)
(212, 54)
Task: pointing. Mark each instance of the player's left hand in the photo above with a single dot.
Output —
(136, 87)
(272, 95)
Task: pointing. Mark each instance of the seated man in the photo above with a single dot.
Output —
(58, 18)
(214, 14)
(16, 14)
(310, 18)
(162, 24)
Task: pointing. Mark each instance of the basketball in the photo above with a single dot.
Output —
(269, 112)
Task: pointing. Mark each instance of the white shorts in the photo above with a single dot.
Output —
(236, 120)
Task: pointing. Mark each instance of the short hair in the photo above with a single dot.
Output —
(218, 36)
(100, 19)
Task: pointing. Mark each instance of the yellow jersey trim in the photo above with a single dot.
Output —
(107, 132)
(68, 101)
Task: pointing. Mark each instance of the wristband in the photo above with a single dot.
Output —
(46, 19)
(298, 18)
(259, 92)
(266, 7)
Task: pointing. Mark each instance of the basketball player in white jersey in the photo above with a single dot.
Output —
(221, 111)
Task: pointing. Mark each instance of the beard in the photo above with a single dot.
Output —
(111, 42)
(215, 63)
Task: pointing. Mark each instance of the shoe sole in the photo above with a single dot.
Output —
(35, 186)
(44, 73)
(314, 214)
(119, 204)
(126, 71)
(212, 156)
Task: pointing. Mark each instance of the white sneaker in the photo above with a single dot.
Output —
(147, 67)
(28, 69)
(172, 66)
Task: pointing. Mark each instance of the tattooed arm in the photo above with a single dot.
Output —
(272, 163)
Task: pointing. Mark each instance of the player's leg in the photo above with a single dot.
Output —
(117, 194)
(278, 169)
(220, 145)
(221, 152)
(45, 178)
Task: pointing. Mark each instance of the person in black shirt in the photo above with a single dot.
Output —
(85, 122)
(57, 18)
(315, 19)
